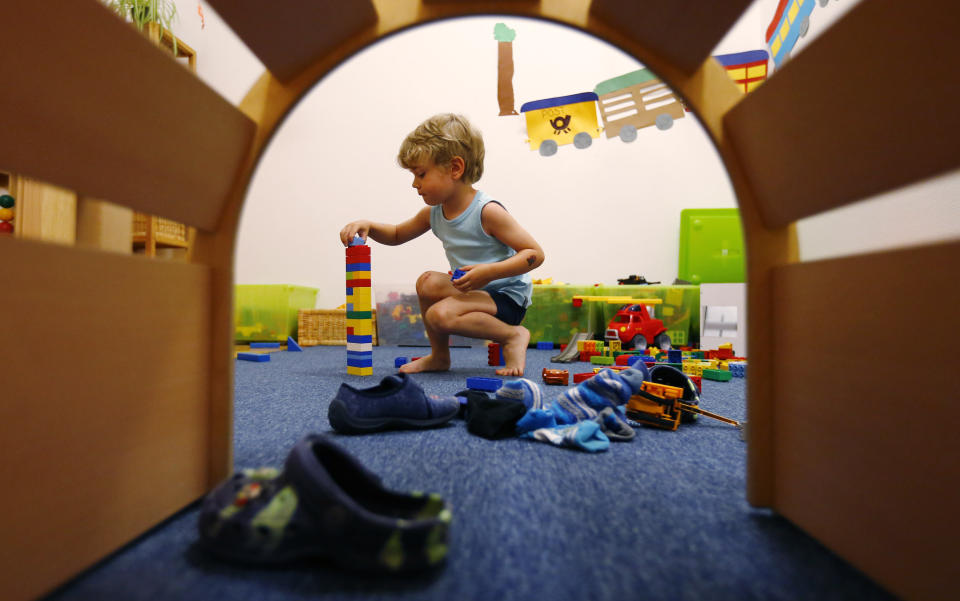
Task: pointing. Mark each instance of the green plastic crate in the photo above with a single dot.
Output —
(711, 246)
(553, 316)
(269, 312)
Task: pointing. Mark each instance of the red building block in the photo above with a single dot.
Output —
(577, 378)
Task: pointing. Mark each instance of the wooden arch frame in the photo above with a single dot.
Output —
(119, 375)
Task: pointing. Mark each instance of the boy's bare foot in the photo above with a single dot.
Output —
(428, 363)
(515, 352)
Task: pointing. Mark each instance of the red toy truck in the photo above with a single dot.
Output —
(636, 329)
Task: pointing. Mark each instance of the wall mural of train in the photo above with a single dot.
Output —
(625, 103)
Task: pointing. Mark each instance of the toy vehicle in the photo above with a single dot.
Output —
(790, 23)
(634, 280)
(552, 122)
(663, 404)
(636, 100)
(635, 329)
(559, 377)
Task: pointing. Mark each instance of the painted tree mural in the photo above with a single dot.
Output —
(505, 36)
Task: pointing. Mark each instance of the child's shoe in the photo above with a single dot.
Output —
(324, 504)
(397, 402)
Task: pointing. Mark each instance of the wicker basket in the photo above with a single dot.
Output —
(166, 229)
(326, 327)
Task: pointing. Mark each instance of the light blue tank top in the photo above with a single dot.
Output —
(466, 243)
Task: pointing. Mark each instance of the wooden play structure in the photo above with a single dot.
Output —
(116, 403)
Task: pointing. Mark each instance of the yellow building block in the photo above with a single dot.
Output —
(358, 275)
(359, 294)
(359, 371)
(361, 327)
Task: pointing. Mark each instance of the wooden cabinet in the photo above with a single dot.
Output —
(42, 211)
(54, 214)
(149, 231)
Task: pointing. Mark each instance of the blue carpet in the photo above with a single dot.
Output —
(661, 517)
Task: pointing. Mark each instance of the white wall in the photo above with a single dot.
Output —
(600, 213)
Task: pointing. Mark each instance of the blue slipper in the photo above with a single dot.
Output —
(397, 402)
(323, 504)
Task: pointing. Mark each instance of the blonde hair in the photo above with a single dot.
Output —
(442, 137)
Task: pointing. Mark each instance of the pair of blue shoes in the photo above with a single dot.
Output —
(323, 504)
(398, 402)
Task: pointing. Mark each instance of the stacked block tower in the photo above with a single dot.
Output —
(359, 310)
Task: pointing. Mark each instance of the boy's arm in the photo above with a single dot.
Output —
(387, 233)
(500, 224)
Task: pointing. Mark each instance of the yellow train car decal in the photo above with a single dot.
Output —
(553, 122)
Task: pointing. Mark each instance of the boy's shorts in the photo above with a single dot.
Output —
(508, 310)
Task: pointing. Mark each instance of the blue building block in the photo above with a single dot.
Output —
(674, 356)
(547, 346)
(292, 345)
(256, 357)
(457, 274)
(484, 384)
(633, 359)
(398, 361)
(264, 345)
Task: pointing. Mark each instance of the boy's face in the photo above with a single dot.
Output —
(434, 183)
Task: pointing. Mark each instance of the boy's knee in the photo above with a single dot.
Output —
(439, 315)
(430, 285)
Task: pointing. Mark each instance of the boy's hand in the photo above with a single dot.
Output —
(475, 277)
(361, 227)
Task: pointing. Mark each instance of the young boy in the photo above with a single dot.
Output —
(445, 156)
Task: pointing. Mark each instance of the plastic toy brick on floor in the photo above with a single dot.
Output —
(485, 384)
(557, 377)
(494, 354)
(718, 375)
(269, 517)
(255, 357)
(264, 345)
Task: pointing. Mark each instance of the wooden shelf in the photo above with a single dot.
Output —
(156, 233)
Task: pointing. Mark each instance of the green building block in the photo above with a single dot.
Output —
(720, 375)
(601, 360)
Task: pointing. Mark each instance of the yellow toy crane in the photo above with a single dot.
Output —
(661, 406)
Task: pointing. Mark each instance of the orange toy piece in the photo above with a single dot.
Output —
(559, 377)
(656, 405)
(661, 406)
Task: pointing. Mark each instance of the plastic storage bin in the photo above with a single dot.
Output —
(711, 246)
(269, 312)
